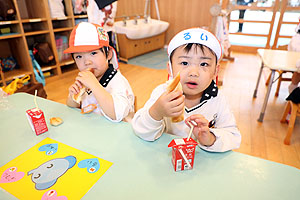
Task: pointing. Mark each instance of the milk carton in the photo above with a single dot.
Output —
(183, 153)
(37, 120)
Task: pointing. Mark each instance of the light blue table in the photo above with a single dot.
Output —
(143, 170)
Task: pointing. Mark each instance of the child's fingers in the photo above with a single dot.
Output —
(177, 102)
(175, 114)
(189, 122)
(201, 122)
(173, 95)
(73, 89)
(176, 110)
(78, 84)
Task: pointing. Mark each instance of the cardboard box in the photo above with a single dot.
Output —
(183, 153)
(37, 120)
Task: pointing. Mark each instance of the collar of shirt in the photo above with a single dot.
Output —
(108, 75)
(210, 92)
(106, 78)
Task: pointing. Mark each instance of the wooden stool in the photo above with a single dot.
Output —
(295, 111)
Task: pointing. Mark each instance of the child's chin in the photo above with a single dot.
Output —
(192, 93)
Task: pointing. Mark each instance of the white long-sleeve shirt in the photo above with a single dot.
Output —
(119, 88)
(212, 106)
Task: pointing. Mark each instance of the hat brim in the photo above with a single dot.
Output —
(82, 48)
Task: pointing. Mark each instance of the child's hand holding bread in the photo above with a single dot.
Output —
(78, 89)
(170, 103)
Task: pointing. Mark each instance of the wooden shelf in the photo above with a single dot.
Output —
(16, 73)
(62, 29)
(10, 36)
(8, 22)
(80, 16)
(67, 62)
(47, 68)
(36, 33)
(33, 20)
(61, 18)
(33, 23)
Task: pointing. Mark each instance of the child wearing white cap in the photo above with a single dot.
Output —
(195, 54)
(108, 92)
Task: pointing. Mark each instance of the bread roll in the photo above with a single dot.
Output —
(77, 97)
(55, 121)
(175, 85)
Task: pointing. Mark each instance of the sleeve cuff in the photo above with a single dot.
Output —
(149, 121)
(217, 145)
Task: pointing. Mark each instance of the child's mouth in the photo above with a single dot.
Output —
(191, 85)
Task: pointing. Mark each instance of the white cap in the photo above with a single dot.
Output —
(194, 35)
(198, 36)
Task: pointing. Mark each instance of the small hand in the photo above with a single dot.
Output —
(75, 88)
(169, 104)
(201, 130)
(87, 79)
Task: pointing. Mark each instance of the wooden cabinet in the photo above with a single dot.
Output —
(130, 48)
(33, 24)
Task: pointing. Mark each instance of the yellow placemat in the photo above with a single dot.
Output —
(52, 170)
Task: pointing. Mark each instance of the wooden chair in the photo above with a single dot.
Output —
(280, 79)
(295, 111)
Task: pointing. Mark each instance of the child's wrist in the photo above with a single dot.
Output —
(212, 139)
(154, 114)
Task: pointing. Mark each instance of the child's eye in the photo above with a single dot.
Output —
(184, 63)
(204, 64)
(94, 53)
(78, 56)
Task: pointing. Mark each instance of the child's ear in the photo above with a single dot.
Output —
(217, 70)
(110, 54)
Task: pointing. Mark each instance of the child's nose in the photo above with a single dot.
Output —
(87, 61)
(194, 71)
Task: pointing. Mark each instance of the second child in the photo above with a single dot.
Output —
(195, 54)
(108, 91)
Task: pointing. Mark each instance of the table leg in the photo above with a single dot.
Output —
(258, 80)
(263, 109)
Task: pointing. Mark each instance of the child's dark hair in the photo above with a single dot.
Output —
(189, 46)
(104, 50)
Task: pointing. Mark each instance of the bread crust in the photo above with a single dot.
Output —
(175, 85)
(77, 97)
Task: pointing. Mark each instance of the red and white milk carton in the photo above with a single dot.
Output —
(37, 120)
(183, 153)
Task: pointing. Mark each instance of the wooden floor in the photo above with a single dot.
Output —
(264, 140)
